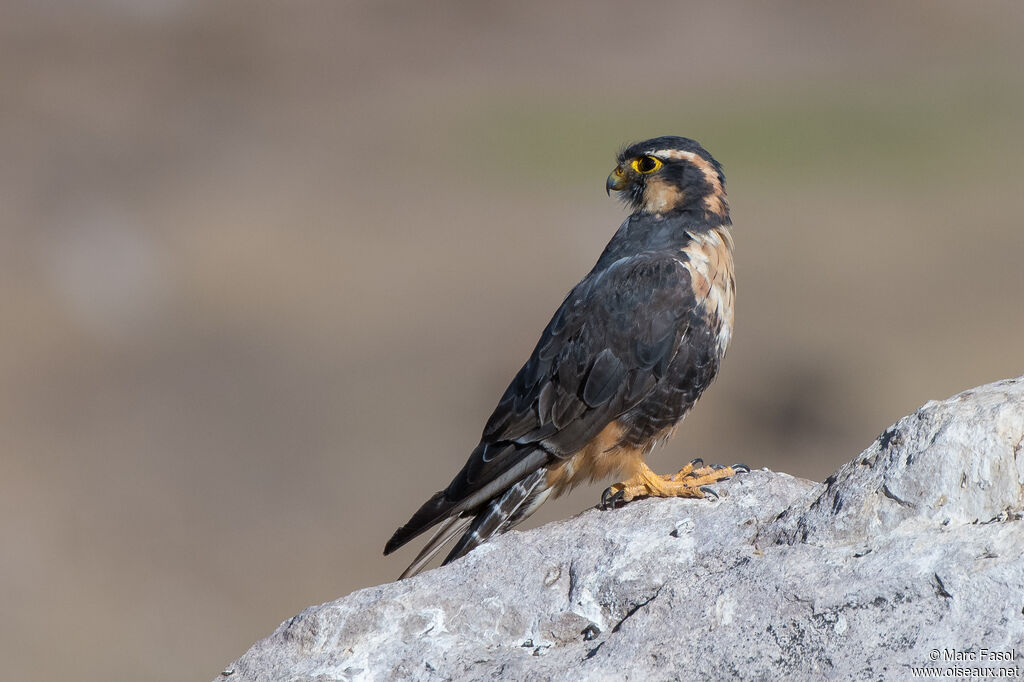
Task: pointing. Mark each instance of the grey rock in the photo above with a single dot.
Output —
(912, 552)
(950, 463)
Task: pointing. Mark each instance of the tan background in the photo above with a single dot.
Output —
(266, 269)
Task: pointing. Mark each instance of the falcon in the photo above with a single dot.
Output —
(623, 359)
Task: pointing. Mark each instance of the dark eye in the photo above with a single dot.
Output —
(646, 164)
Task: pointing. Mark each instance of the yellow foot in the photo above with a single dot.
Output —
(690, 481)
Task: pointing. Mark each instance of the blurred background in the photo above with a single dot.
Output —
(266, 268)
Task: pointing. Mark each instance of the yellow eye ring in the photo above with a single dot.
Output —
(645, 165)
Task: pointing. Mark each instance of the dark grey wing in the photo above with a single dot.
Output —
(607, 346)
(605, 349)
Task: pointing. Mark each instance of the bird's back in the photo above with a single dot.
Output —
(625, 356)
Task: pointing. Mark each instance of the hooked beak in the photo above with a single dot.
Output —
(616, 181)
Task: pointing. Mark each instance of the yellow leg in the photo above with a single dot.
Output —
(690, 481)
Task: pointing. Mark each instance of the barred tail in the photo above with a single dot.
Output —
(495, 517)
(449, 529)
(503, 512)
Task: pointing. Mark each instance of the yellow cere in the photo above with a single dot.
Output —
(646, 164)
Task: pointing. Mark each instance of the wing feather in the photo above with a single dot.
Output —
(603, 351)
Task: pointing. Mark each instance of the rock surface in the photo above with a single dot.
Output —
(914, 546)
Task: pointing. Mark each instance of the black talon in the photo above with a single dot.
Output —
(708, 491)
(696, 462)
(610, 500)
(742, 468)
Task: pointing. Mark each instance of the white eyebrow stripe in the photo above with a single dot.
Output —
(696, 159)
(675, 154)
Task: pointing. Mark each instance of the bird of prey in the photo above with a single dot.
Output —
(626, 355)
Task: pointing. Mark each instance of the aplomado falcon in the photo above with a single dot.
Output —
(626, 355)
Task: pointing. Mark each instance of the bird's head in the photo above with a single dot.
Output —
(668, 175)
